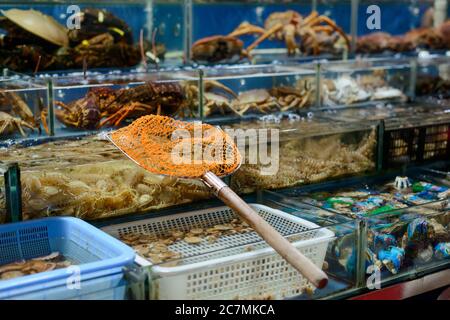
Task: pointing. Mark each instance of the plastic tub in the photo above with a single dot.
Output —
(94, 254)
(236, 266)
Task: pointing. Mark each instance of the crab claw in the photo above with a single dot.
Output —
(210, 84)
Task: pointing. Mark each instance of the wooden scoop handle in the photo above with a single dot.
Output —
(291, 254)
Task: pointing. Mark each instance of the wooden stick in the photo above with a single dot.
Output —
(289, 253)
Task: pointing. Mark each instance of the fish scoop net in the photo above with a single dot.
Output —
(166, 146)
(163, 145)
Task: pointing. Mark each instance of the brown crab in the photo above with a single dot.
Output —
(425, 37)
(216, 98)
(16, 114)
(228, 48)
(102, 51)
(10, 124)
(255, 101)
(292, 98)
(310, 30)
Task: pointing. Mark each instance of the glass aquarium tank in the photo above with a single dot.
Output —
(267, 30)
(386, 27)
(433, 79)
(371, 196)
(413, 133)
(235, 92)
(359, 81)
(100, 101)
(21, 102)
(50, 35)
(407, 229)
(408, 241)
(205, 255)
(395, 114)
(281, 151)
(89, 178)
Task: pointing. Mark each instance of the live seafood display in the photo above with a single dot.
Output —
(163, 248)
(412, 240)
(113, 106)
(90, 179)
(316, 156)
(394, 113)
(35, 41)
(53, 261)
(15, 114)
(317, 33)
(310, 35)
(408, 220)
(434, 38)
(347, 89)
(261, 101)
(32, 40)
(375, 199)
(436, 86)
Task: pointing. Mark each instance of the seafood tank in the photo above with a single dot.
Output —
(433, 80)
(91, 179)
(103, 101)
(300, 149)
(21, 103)
(387, 27)
(407, 221)
(257, 90)
(53, 36)
(267, 31)
(359, 81)
(200, 252)
(414, 133)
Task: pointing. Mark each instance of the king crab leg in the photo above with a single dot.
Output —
(10, 121)
(246, 28)
(263, 37)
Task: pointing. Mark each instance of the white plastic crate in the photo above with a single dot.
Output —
(237, 266)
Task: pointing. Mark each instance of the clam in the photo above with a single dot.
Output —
(39, 24)
(11, 274)
(193, 240)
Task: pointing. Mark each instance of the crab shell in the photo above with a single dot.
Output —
(216, 48)
(39, 24)
(289, 17)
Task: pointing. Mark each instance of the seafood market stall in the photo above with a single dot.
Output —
(339, 136)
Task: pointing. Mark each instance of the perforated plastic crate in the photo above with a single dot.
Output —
(96, 258)
(236, 266)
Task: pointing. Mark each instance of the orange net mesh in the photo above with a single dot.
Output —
(166, 146)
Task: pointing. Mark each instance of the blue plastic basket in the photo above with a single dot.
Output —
(96, 254)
